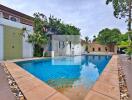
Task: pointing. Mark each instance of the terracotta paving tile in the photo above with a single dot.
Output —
(111, 68)
(92, 95)
(16, 71)
(40, 93)
(109, 80)
(24, 79)
(27, 85)
(111, 71)
(106, 89)
(58, 96)
(10, 66)
(109, 75)
(18, 74)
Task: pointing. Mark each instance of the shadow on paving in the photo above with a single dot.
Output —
(5, 92)
(127, 68)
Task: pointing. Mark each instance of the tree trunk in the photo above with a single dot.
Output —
(129, 22)
(129, 16)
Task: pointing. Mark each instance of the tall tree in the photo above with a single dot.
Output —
(39, 37)
(123, 9)
(87, 39)
(94, 38)
(56, 26)
(109, 37)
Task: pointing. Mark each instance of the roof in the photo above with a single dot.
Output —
(4, 8)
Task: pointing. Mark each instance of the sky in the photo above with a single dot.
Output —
(91, 16)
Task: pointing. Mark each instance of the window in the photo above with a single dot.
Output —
(1, 14)
(70, 44)
(99, 49)
(106, 49)
(63, 44)
(12, 18)
(93, 49)
(59, 44)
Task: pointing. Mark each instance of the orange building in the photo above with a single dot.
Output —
(96, 47)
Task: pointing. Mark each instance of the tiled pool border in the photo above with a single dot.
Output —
(106, 87)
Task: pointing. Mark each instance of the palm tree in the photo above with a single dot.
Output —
(86, 39)
(94, 38)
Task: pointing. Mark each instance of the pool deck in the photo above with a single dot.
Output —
(106, 87)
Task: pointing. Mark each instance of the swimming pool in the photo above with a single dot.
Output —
(72, 76)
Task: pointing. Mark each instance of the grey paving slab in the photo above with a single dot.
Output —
(5, 92)
(127, 67)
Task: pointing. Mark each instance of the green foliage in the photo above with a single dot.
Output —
(108, 36)
(38, 38)
(124, 37)
(42, 25)
(129, 35)
(123, 44)
(128, 46)
(122, 9)
(46, 54)
(129, 50)
(58, 27)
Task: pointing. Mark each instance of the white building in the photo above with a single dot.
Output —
(12, 44)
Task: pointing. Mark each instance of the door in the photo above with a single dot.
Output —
(12, 43)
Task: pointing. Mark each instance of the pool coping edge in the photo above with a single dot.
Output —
(108, 69)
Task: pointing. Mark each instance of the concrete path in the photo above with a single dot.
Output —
(127, 67)
(5, 92)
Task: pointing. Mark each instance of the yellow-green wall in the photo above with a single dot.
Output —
(12, 43)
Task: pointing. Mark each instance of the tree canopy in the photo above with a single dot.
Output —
(122, 9)
(56, 26)
(38, 38)
(39, 35)
(108, 36)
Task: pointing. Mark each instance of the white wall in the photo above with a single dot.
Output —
(1, 42)
(27, 48)
(14, 24)
(77, 49)
(68, 51)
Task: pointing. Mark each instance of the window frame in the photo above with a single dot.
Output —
(99, 49)
(1, 14)
(17, 19)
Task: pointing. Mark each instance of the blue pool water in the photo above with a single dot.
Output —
(67, 71)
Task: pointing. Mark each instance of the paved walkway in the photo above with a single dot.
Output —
(127, 67)
(5, 92)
